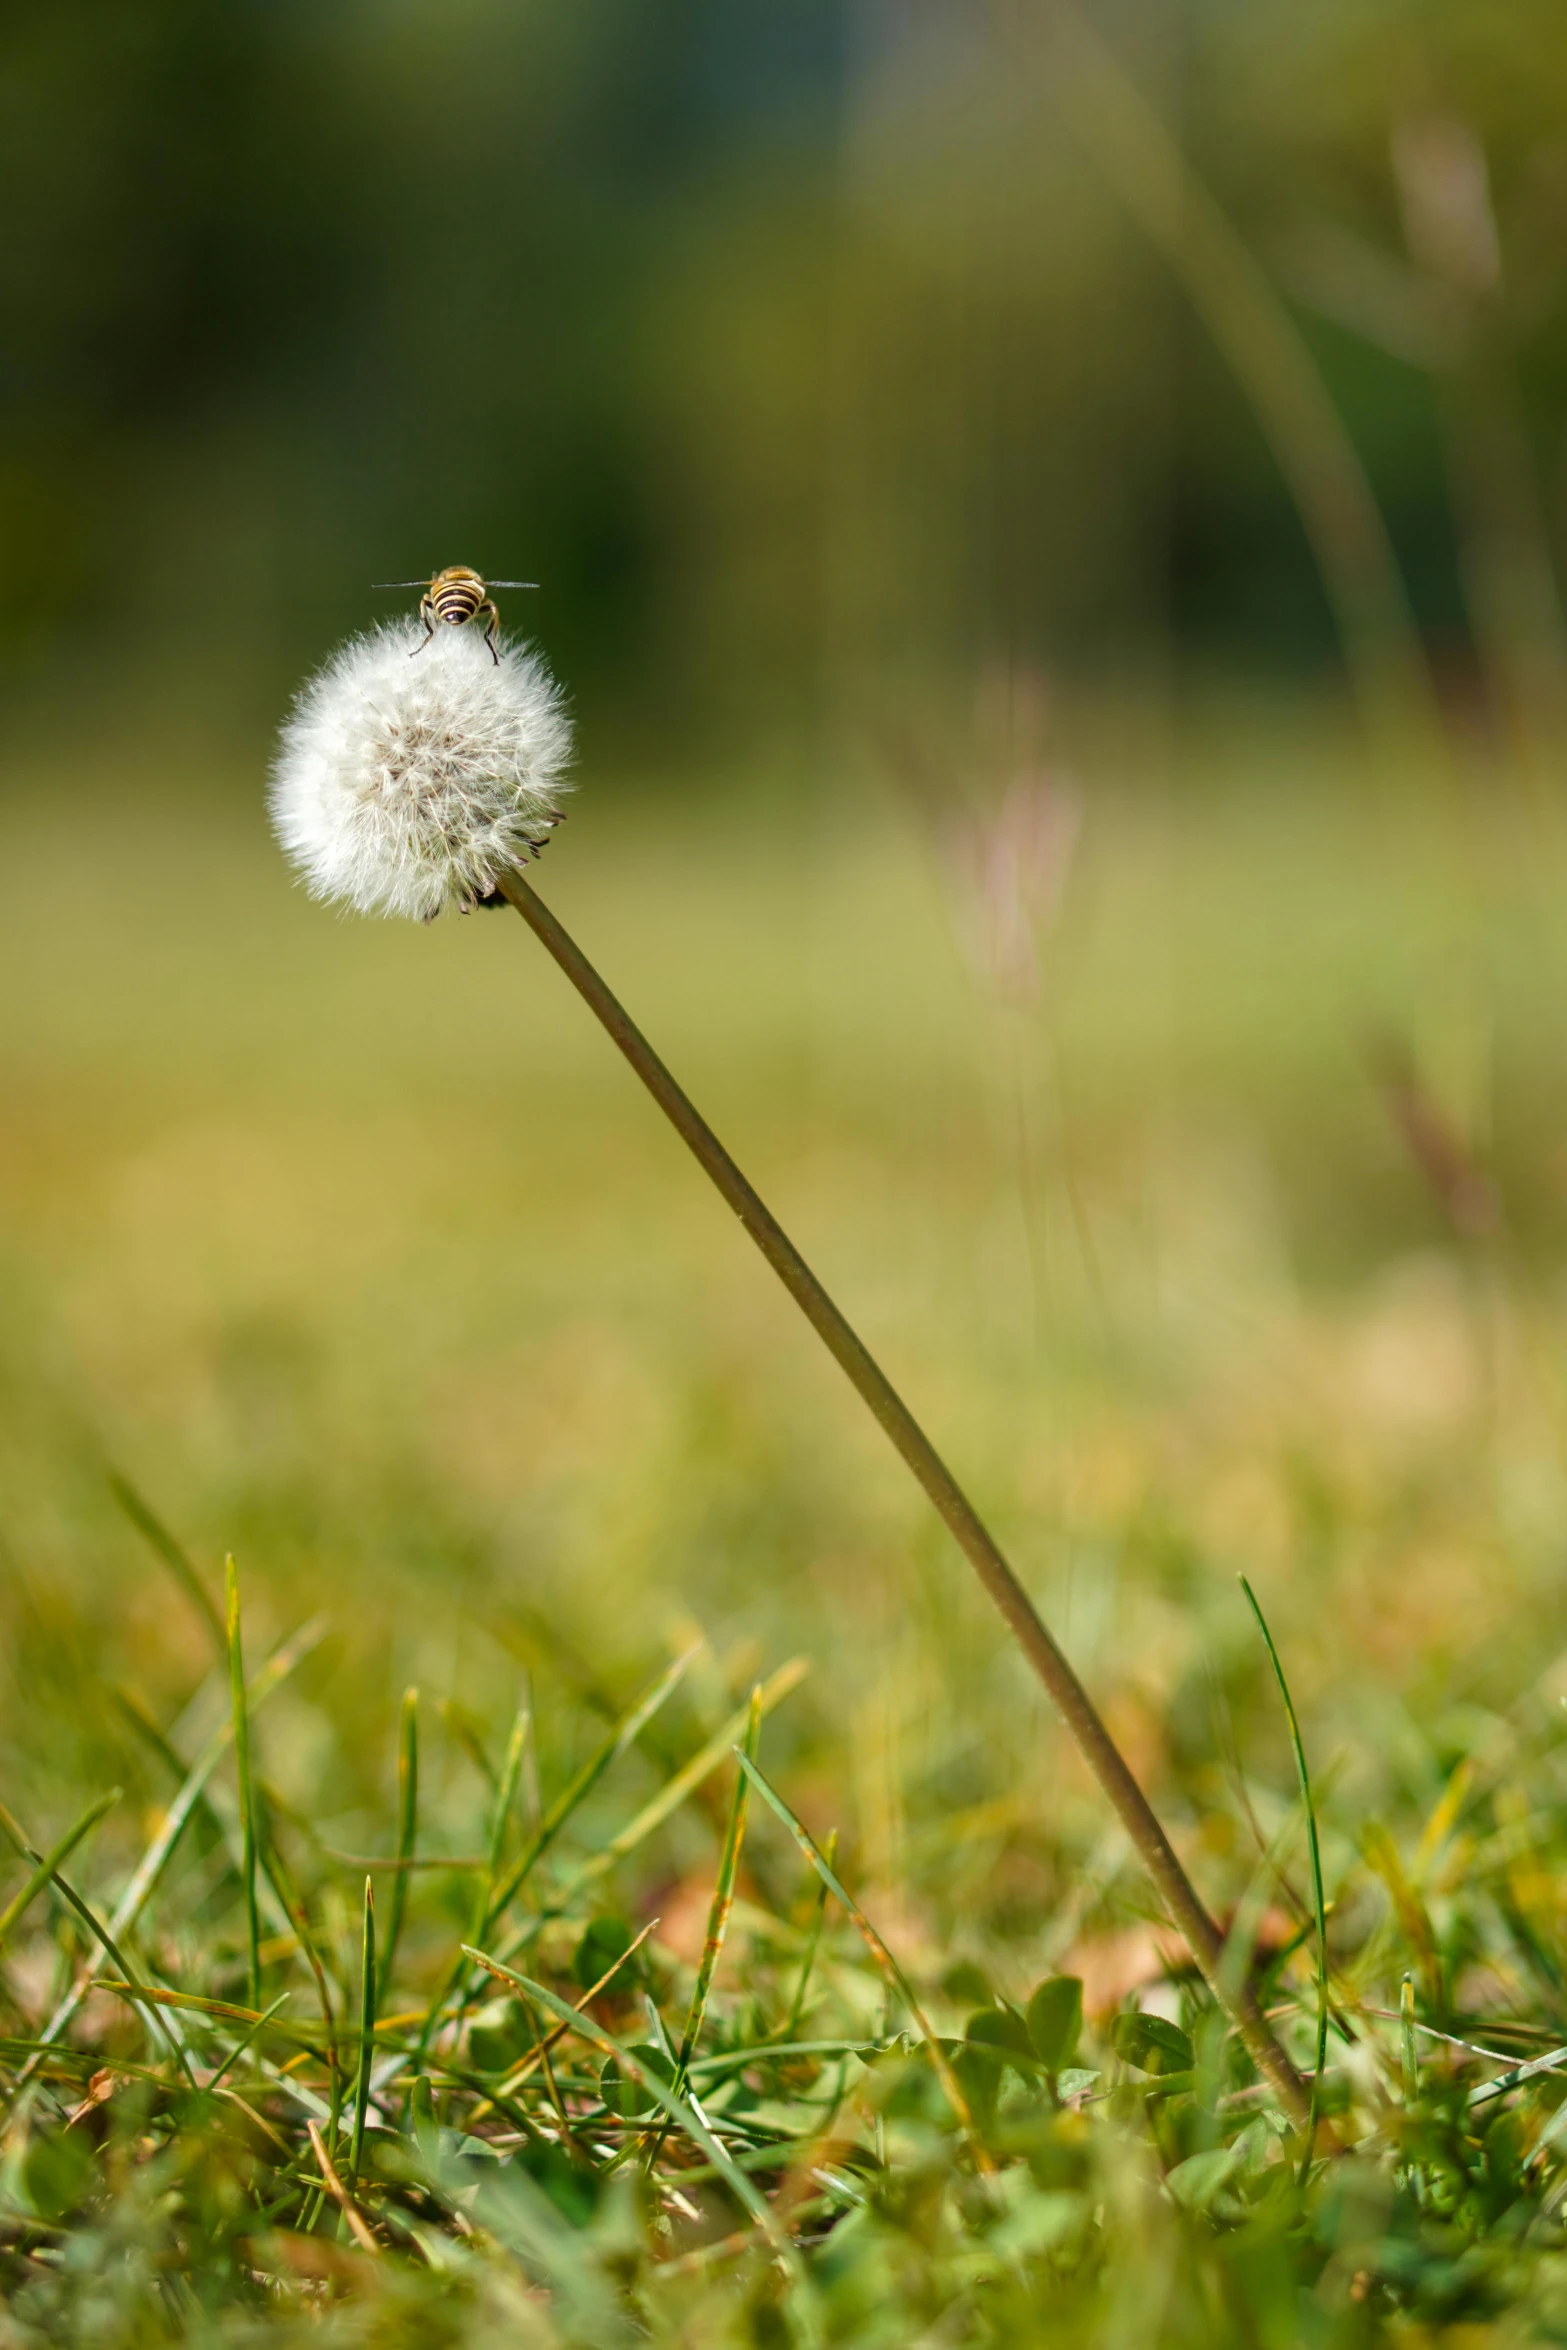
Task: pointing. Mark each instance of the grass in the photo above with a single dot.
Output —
(349, 1251)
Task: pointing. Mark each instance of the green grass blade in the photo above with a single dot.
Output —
(103, 1935)
(1409, 2054)
(498, 1896)
(505, 1797)
(624, 1734)
(240, 2045)
(297, 1915)
(1319, 1904)
(292, 1914)
(54, 1859)
(489, 1891)
(892, 1973)
(650, 2084)
(1505, 2083)
(153, 1531)
(407, 1833)
(540, 2055)
(247, 1791)
(723, 1901)
(367, 1982)
(812, 1943)
(159, 1852)
(684, 1782)
(467, 1734)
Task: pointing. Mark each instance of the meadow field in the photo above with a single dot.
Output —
(1229, 1242)
(518, 1823)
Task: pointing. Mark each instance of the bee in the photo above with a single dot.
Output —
(455, 596)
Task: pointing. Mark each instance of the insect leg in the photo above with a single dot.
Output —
(491, 625)
(427, 615)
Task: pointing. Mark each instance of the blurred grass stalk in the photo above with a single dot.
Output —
(1442, 176)
(1272, 363)
(952, 1505)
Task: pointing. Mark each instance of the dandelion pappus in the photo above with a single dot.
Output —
(454, 597)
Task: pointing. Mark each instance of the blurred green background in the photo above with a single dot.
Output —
(1053, 527)
(812, 355)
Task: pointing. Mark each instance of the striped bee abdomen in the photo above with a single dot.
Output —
(456, 596)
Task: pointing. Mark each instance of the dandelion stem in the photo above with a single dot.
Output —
(952, 1505)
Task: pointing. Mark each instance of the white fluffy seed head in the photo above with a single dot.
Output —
(409, 780)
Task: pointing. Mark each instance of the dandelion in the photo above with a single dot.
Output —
(402, 791)
(412, 775)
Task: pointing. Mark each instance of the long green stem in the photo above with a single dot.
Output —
(407, 1830)
(952, 1505)
(367, 1982)
(247, 1788)
(1319, 1903)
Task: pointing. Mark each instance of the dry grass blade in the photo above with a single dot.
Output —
(358, 2226)
(218, 2011)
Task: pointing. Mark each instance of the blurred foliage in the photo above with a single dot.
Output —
(805, 352)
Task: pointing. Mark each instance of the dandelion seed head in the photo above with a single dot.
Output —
(409, 780)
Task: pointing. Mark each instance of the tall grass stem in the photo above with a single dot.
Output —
(1313, 1846)
(367, 1982)
(952, 1505)
(247, 1790)
(1273, 364)
(407, 1832)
